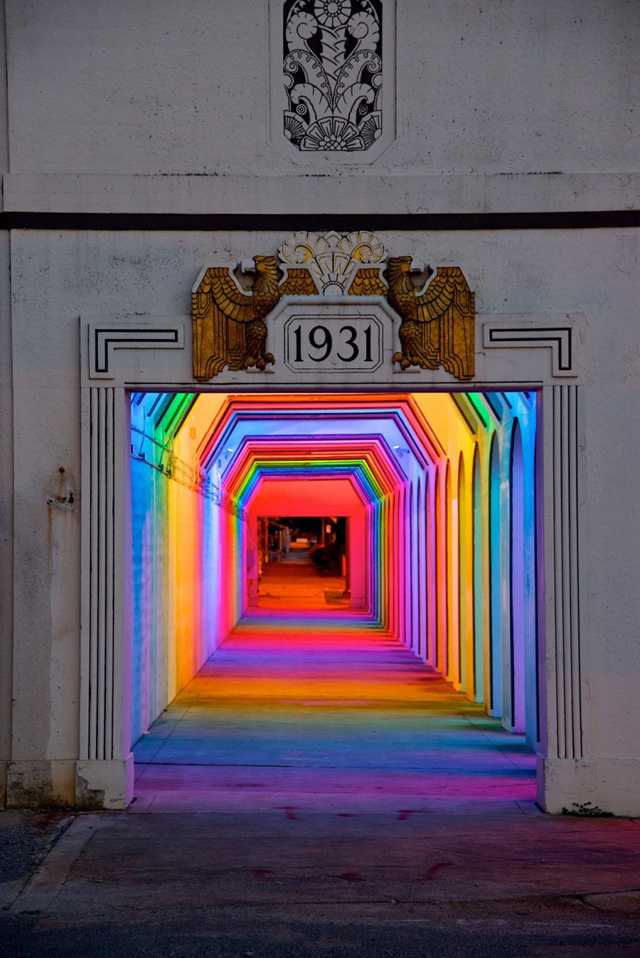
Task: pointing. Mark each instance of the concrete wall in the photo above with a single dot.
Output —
(171, 591)
(151, 615)
(57, 276)
(6, 442)
(162, 108)
(155, 87)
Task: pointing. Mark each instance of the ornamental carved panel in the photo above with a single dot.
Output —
(332, 67)
(435, 318)
(332, 78)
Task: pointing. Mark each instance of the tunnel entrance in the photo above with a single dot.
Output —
(417, 664)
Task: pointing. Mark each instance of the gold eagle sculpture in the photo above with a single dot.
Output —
(229, 327)
(438, 321)
(229, 318)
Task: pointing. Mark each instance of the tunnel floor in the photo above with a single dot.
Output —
(298, 584)
(324, 712)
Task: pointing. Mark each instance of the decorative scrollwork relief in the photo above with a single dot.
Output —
(332, 62)
(333, 258)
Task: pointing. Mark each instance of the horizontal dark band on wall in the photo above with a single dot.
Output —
(596, 219)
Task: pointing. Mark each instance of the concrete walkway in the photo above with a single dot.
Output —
(324, 713)
(296, 583)
(317, 791)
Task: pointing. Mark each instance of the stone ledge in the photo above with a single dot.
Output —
(318, 193)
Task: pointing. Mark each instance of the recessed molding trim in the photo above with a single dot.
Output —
(105, 338)
(561, 339)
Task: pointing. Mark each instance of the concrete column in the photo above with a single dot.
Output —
(104, 772)
(564, 775)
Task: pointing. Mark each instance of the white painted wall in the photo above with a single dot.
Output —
(157, 87)
(6, 442)
(58, 276)
(123, 107)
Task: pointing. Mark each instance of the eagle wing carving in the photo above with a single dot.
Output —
(228, 321)
(298, 282)
(368, 282)
(438, 323)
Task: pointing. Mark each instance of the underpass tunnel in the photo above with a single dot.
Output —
(439, 490)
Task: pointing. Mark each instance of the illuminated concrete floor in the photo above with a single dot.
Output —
(296, 583)
(321, 712)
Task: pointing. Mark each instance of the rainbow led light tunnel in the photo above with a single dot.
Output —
(439, 493)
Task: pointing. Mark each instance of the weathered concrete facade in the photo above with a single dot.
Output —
(142, 143)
